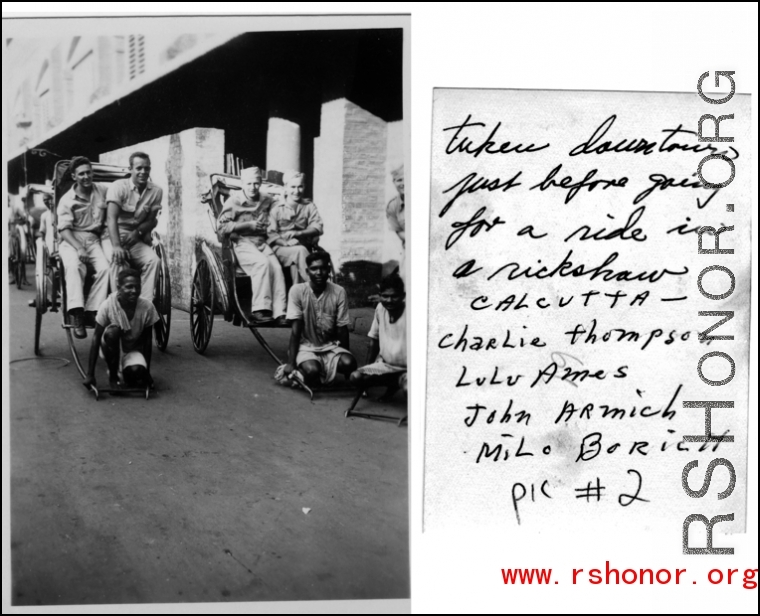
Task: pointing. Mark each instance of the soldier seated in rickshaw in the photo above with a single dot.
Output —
(244, 219)
(133, 207)
(294, 227)
(123, 335)
(318, 312)
(80, 222)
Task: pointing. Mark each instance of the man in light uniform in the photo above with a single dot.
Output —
(294, 226)
(395, 213)
(245, 217)
(80, 222)
(133, 207)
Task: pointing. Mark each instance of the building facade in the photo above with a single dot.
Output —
(325, 102)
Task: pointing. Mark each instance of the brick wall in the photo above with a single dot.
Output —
(364, 154)
(353, 157)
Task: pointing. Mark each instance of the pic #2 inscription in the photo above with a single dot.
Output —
(561, 306)
(726, 315)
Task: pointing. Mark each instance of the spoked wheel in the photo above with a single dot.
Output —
(37, 328)
(75, 353)
(31, 250)
(162, 300)
(20, 271)
(18, 263)
(41, 284)
(65, 321)
(202, 306)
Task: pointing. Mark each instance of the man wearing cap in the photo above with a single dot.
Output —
(80, 221)
(294, 226)
(133, 207)
(245, 219)
(394, 212)
(123, 334)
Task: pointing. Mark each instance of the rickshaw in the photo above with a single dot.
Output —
(51, 283)
(17, 256)
(219, 283)
(21, 227)
(35, 205)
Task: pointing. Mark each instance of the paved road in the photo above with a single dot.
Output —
(222, 487)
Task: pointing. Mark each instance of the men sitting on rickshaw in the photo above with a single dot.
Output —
(79, 225)
(318, 312)
(386, 361)
(123, 335)
(245, 219)
(294, 226)
(133, 207)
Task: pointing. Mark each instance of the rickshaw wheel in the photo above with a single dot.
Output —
(19, 264)
(41, 279)
(31, 251)
(202, 306)
(162, 301)
(37, 328)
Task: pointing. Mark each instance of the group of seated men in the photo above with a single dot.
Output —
(107, 226)
(268, 233)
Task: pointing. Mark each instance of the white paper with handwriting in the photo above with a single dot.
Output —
(563, 313)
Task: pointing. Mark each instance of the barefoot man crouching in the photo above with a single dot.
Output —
(318, 312)
(386, 358)
(123, 335)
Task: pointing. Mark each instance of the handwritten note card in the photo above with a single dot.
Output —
(563, 309)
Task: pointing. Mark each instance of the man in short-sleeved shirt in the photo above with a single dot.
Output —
(391, 336)
(294, 226)
(318, 312)
(80, 222)
(133, 207)
(123, 334)
(386, 360)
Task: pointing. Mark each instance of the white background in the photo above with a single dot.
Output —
(629, 46)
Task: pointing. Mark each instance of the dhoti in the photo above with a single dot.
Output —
(327, 356)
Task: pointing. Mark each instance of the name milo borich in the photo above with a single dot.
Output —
(724, 316)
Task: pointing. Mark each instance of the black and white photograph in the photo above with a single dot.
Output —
(207, 297)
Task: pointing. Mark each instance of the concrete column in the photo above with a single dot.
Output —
(283, 145)
(349, 184)
(328, 176)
